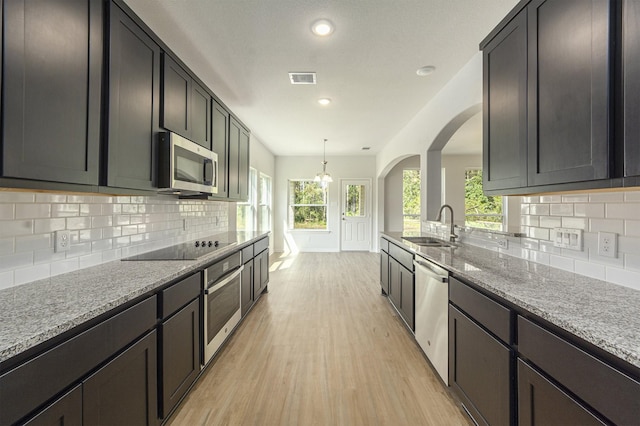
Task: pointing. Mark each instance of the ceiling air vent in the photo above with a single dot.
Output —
(302, 77)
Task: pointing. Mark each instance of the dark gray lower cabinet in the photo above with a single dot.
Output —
(124, 392)
(384, 272)
(402, 291)
(479, 370)
(246, 288)
(65, 411)
(260, 273)
(180, 355)
(542, 403)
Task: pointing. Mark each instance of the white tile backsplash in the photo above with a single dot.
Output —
(102, 229)
(615, 211)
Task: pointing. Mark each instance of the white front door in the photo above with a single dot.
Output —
(356, 215)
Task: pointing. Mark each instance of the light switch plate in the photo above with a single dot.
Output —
(567, 238)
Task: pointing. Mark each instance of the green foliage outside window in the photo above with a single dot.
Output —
(411, 200)
(481, 211)
(307, 205)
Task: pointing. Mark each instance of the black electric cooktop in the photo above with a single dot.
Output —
(185, 251)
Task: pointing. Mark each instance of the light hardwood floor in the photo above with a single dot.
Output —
(323, 347)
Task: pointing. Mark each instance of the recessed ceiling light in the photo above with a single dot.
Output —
(324, 101)
(322, 27)
(426, 70)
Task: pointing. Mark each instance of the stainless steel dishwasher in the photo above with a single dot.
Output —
(432, 318)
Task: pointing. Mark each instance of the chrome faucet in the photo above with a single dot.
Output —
(452, 234)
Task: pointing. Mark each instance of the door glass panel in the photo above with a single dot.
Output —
(355, 201)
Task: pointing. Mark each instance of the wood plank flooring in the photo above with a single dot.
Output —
(323, 347)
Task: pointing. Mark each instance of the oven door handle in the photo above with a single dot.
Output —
(218, 285)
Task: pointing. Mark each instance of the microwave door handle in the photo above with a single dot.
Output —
(208, 171)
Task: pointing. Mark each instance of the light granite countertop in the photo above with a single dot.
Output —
(35, 312)
(604, 314)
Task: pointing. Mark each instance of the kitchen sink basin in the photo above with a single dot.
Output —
(428, 241)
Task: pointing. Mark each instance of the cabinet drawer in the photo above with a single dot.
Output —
(610, 392)
(384, 245)
(493, 316)
(261, 245)
(179, 294)
(33, 383)
(247, 253)
(401, 255)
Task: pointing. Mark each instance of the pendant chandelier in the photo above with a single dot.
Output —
(323, 176)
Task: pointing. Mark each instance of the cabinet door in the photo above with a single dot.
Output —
(479, 370)
(243, 165)
(246, 288)
(261, 273)
(124, 392)
(180, 354)
(407, 296)
(134, 104)
(540, 402)
(384, 272)
(395, 283)
(631, 87)
(238, 166)
(200, 116)
(51, 90)
(505, 107)
(568, 94)
(220, 144)
(65, 411)
(176, 98)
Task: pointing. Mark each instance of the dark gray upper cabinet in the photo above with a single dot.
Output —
(238, 165)
(568, 94)
(134, 104)
(220, 144)
(176, 98)
(52, 79)
(631, 87)
(505, 107)
(200, 115)
(186, 105)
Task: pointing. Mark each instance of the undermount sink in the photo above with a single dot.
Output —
(427, 241)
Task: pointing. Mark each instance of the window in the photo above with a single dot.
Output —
(481, 211)
(307, 205)
(411, 200)
(355, 201)
(246, 211)
(264, 206)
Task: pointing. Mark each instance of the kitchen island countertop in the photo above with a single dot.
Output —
(604, 314)
(35, 312)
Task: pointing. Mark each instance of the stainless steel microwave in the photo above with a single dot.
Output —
(185, 167)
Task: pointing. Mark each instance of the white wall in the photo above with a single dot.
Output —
(306, 168)
(459, 99)
(393, 218)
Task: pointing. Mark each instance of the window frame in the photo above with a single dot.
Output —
(264, 200)
(290, 206)
(251, 203)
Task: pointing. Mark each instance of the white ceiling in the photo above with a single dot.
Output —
(243, 50)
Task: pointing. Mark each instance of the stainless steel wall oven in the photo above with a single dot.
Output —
(221, 302)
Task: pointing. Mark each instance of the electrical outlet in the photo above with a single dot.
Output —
(503, 243)
(62, 240)
(608, 244)
(185, 224)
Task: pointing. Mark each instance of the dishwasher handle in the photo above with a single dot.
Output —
(432, 270)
